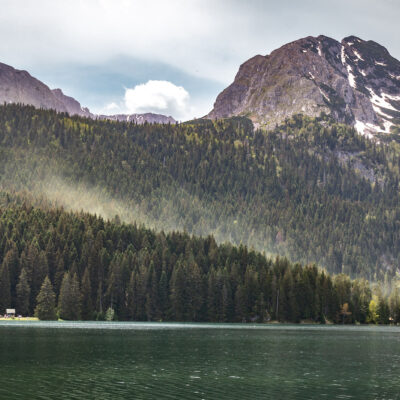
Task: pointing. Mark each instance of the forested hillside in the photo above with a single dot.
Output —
(80, 266)
(311, 190)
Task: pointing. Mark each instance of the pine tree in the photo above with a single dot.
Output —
(152, 294)
(46, 307)
(30, 261)
(163, 294)
(5, 293)
(87, 306)
(23, 293)
(211, 296)
(99, 301)
(178, 299)
(115, 285)
(226, 302)
(59, 273)
(240, 304)
(193, 291)
(69, 301)
(11, 259)
(131, 297)
(383, 311)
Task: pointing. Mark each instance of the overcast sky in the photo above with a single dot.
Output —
(170, 56)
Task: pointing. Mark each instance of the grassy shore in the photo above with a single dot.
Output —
(19, 319)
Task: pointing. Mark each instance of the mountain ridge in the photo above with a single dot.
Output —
(19, 86)
(357, 82)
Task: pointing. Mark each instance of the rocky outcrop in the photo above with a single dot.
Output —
(140, 118)
(72, 106)
(356, 82)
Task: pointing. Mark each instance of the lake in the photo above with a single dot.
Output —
(66, 360)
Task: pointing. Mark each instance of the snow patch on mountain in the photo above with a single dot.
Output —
(381, 101)
(343, 55)
(352, 79)
(323, 94)
(358, 55)
(366, 128)
(387, 125)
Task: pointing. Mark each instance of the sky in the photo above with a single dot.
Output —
(170, 56)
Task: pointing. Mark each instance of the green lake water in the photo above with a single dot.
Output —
(63, 360)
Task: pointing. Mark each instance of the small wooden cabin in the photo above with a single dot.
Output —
(10, 312)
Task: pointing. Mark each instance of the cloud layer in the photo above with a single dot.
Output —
(156, 96)
(205, 38)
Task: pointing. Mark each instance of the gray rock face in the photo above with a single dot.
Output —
(20, 87)
(356, 82)
(72, 106)
(140, 118)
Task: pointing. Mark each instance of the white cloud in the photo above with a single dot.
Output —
(161, 97)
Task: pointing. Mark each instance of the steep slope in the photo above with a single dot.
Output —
(311, 189)
(356, 82)
(20, 87)
(72, 106)
(152, 276)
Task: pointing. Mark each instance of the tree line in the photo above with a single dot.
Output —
(57, 264)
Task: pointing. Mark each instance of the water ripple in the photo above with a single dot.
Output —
(191, 361)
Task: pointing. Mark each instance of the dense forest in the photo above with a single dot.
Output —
(311, 190)
(78, 266)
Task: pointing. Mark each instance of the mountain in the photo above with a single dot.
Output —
(20, 87)
(140, 118)
(356, 82)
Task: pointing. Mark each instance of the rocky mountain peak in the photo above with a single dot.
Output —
(355, 81)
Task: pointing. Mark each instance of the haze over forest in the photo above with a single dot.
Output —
(285, 188)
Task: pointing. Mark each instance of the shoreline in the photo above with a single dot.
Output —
(190, 324)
